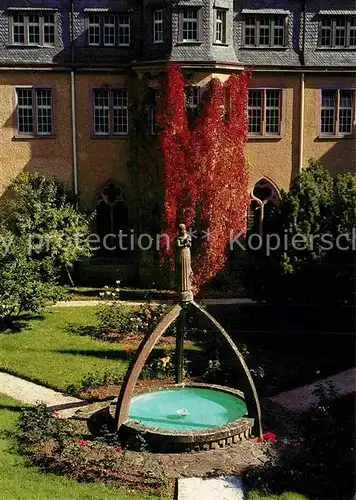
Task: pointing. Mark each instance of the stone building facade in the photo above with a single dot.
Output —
(67, 69)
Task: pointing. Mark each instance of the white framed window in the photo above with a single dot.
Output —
(34, 111)
(220, 26)
(33, 29)
(337, 112)
(190, 25)
(124, 30)
(338, 32)
(109, 27)
(109, 30)
(265, 31)
(158, 26)
(49, 29)
(264, 112)
(94, 30)
(110, 112)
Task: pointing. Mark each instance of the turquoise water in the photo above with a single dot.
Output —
(186, 408)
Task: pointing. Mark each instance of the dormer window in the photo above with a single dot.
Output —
(337, 32)
(265, 31)
(220, 26)
(109, 30)
(190, 24)
(33, 28)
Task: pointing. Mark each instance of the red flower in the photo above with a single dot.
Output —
(129, 351)
(82, 442)
(267, 436)
(118, 449)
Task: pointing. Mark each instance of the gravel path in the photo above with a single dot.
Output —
(300, 399)
(30, 393)
(90, 303)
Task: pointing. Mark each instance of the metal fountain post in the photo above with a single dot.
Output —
(185, 294)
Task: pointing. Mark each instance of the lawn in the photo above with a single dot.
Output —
(47, 352)
(19, 481)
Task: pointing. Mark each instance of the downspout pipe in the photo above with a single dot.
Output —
(73, 109)
(302, 94)
(301, 127)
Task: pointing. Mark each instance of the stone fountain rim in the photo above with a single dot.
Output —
(240, 426)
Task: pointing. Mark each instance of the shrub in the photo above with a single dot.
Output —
(22, 287)
(42, 211)
(315, 212)
(321, 463)
(116, 317)
(93, 380)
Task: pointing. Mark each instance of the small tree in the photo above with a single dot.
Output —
(42, 212)
(22, 288)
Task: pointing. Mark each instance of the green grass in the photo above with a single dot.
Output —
(47, 353)
(255, 495)
(19, 481)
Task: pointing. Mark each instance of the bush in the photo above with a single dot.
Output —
(57, 446)
(41, 211)
(116, 317)
(312, 216)
(22, 287)
(321, 463)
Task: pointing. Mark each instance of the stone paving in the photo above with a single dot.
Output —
(300, 399)
(220, 488)
(30, 393)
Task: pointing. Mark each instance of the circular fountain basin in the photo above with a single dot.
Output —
(186, 417)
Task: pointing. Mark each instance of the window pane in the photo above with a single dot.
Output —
(158, 26)
(345, 112)
(265, 31)
(48, 29)
(220, 29)
(326, 30)
(109, 30)
(328, 107)
(352, 35)
(278, 35)
(101, 112)
(18, 29)
(190, 24)
(120, 111)
(33, 30)
(44, 111)
(340, 32)
(94, 30)
(273, 98)
(124, 30)
(24, 111)
(255, 111)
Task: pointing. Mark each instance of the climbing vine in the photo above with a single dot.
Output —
(203, 168)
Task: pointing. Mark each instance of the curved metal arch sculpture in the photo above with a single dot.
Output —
(179, 312)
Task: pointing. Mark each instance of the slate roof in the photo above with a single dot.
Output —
(142, 49)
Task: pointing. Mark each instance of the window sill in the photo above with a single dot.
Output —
(346, 49)
(251, 138)
(221, 44)
(333, 137)
(102, 46)
(250, 47)
(188, 42)
(110, 137)
(18, 46)
(158, 43)
(20, 137)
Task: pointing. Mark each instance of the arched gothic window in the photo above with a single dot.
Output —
(112, 217)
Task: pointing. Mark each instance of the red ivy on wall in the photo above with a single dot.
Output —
(203, 169)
